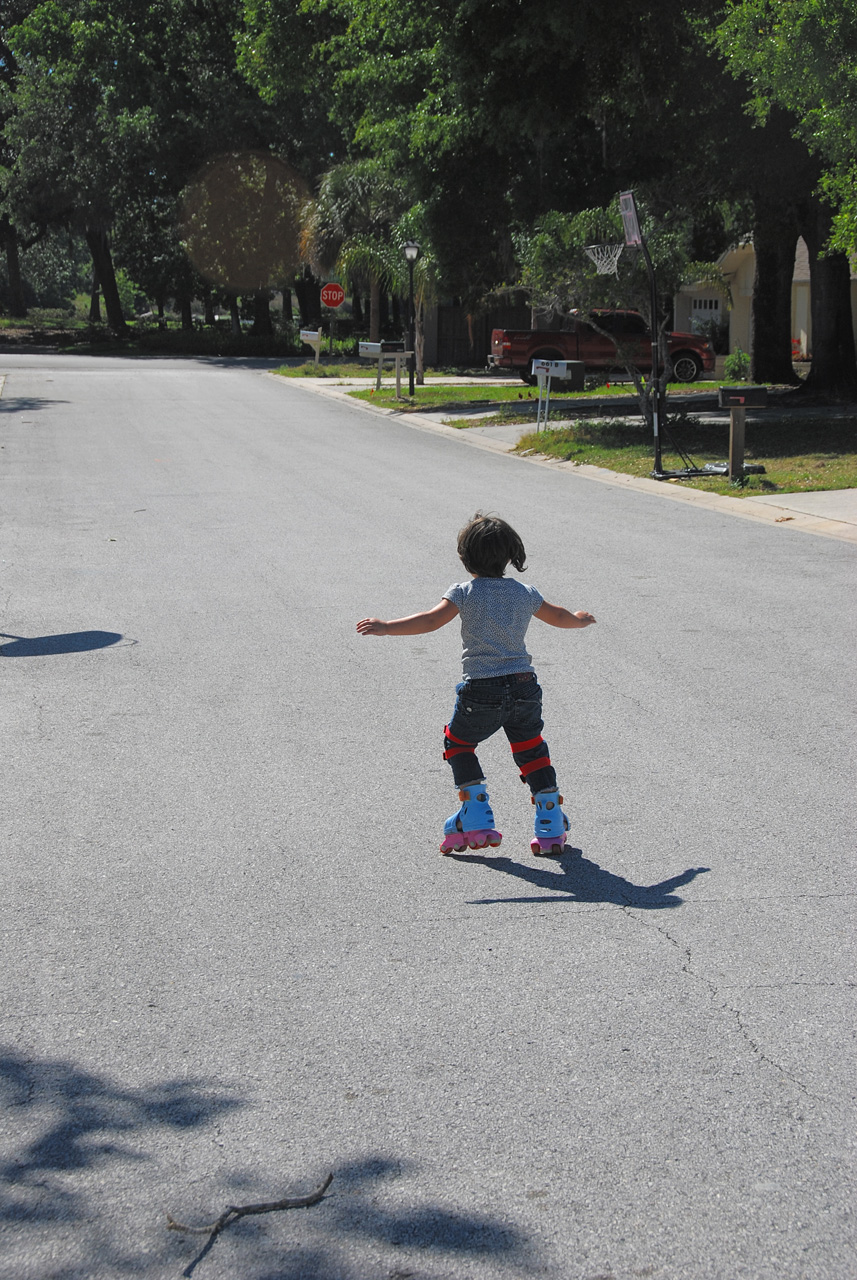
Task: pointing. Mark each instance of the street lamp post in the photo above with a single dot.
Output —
(412, 252)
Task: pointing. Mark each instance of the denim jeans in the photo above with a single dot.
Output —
(512, 703)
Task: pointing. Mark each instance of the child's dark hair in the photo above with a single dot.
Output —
(487, 544)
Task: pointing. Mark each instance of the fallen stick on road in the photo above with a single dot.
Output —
(234, 1212)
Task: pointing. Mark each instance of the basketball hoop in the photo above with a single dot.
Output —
(606, 257)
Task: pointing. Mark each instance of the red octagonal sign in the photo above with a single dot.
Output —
(333, 295)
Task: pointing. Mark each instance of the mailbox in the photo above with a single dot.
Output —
(312, 338)
(369, 348)
(743, 397)
(568, 370)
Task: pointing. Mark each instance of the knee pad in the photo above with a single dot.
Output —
(456, 746)
(533, 753)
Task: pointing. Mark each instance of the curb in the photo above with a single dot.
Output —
(744, 508)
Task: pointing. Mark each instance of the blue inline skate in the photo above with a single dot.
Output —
(473, 826)
(551, 824)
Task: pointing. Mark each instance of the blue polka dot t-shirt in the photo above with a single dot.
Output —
(495, 614)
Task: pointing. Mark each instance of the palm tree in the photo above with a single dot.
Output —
(348, 229)
(411, 226)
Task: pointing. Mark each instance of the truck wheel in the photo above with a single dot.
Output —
(528, 377)
(686, 367)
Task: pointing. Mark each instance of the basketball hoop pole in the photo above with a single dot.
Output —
(634, 239)
(655, 356)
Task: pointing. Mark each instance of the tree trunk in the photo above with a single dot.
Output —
(834, 362)
(99, 246)
(95, 299)
(356, 307)
(419, 340)
(308, 292)
(186, 313)
(208, 308)
(775, 236)
(288, 313)
(262, 326)
(162, 320)
(235, 316)
(17, 301)
(374, 310)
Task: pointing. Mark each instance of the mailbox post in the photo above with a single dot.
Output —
(382, 351)
(569, 370)
(312, 337)
(738, 400)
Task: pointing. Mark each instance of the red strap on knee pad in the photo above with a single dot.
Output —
(541, 763)
(463, 748)
(526, 746)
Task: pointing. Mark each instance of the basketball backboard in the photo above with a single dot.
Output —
(628, 210)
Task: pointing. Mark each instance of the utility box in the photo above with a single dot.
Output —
(743, 397)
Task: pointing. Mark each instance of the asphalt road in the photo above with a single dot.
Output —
(233, 960)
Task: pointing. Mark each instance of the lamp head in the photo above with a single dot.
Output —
(412, 250)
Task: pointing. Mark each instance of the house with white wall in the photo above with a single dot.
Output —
(696, 304)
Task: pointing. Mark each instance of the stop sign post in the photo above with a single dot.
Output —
(333, 296)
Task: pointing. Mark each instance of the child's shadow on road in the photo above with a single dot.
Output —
(576, 879)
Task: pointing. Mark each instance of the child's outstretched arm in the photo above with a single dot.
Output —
(416, 624)
(556, 616)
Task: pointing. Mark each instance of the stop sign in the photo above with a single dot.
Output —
(333, 295)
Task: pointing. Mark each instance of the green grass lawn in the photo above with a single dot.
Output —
(798, 455)
(367, 369)
(519, 399)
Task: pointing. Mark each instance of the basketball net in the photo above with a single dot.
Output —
(606, 257)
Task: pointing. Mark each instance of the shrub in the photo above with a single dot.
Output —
(737, 365)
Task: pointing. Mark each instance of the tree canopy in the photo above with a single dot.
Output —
(494, 119)
(802, 54)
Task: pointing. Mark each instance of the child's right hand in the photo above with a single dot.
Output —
(372, 627)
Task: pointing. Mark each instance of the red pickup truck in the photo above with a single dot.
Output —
(515, 349)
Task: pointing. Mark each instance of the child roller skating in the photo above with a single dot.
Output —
(499, 689)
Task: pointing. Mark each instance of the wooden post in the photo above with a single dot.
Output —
(737, 417)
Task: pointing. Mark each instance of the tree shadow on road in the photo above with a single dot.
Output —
(573, 878)
(26, 404)
(359, 1208)
(66, 642)
(69, 1133)
(81, 1192)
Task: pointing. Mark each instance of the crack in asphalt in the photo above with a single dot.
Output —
(724, 1006)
